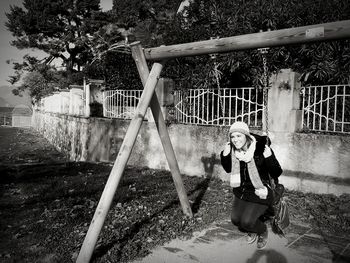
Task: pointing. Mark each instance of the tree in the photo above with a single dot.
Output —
(40, 79)
(130, 20)
(145, 19)
(320, 63)
(59, 28)
(38, 83)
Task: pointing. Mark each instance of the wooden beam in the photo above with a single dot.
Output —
(118, 167)
(142, 67)
(298, 35)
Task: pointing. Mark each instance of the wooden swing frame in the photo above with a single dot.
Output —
(299, 35)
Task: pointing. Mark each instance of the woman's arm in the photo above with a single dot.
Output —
(225, 157)
(272, 164)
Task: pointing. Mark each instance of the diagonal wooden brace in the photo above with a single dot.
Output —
(142, 67)
(119, 166)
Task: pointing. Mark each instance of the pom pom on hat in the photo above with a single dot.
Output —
(241, 127)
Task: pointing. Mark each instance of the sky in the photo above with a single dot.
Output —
(8, 52)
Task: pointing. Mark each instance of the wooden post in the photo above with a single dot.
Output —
(142, 67)
(118, 167)
(289, 36)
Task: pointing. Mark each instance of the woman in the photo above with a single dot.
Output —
(253, 163)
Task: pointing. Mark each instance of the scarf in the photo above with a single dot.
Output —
(248, 158)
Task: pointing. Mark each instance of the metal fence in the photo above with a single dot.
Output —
(219, 107)
(195, 106)
(326, 108)
(120, 103)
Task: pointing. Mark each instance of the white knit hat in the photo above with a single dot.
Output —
(240, 126)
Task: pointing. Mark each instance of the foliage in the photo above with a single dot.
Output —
(145, 19)
(39, 83)
(93, 44)
(59, 28)
(130, 20)
(112, 61)
(319, 63)
(154, 23)
(118, 70)
(40, 79)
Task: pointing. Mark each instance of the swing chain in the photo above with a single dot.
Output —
(265, 98)
(216, 70)
(263, 52)
(216, 74)
(213, 57)
(265, 68)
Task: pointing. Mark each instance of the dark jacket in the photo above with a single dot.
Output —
(268, 168)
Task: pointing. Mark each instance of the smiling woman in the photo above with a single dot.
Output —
(254, 164)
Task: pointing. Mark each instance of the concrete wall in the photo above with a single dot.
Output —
(64, 102)
(312, 162)
(315, 163)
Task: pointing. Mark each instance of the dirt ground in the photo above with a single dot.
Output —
(47, 203)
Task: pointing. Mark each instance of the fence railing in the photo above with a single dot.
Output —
(326, 108)
(120, 103)
(219, 107)
(195, 106)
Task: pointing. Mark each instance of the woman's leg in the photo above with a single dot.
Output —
(238, 206)
(250, 217)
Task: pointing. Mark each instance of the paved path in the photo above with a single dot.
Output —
(223, 243)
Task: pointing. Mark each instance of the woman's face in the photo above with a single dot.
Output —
(238, 139)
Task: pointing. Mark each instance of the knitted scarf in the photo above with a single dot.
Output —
(248, 157)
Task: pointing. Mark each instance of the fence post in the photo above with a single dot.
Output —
(283, 105)
(71, 105)
(87, 99)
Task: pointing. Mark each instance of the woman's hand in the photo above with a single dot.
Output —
(267, 151)
(227, 149)
(262, 192)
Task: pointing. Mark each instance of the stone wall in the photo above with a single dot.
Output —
(311, 162)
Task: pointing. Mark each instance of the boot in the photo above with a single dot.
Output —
(251, 237)
(262, 240)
